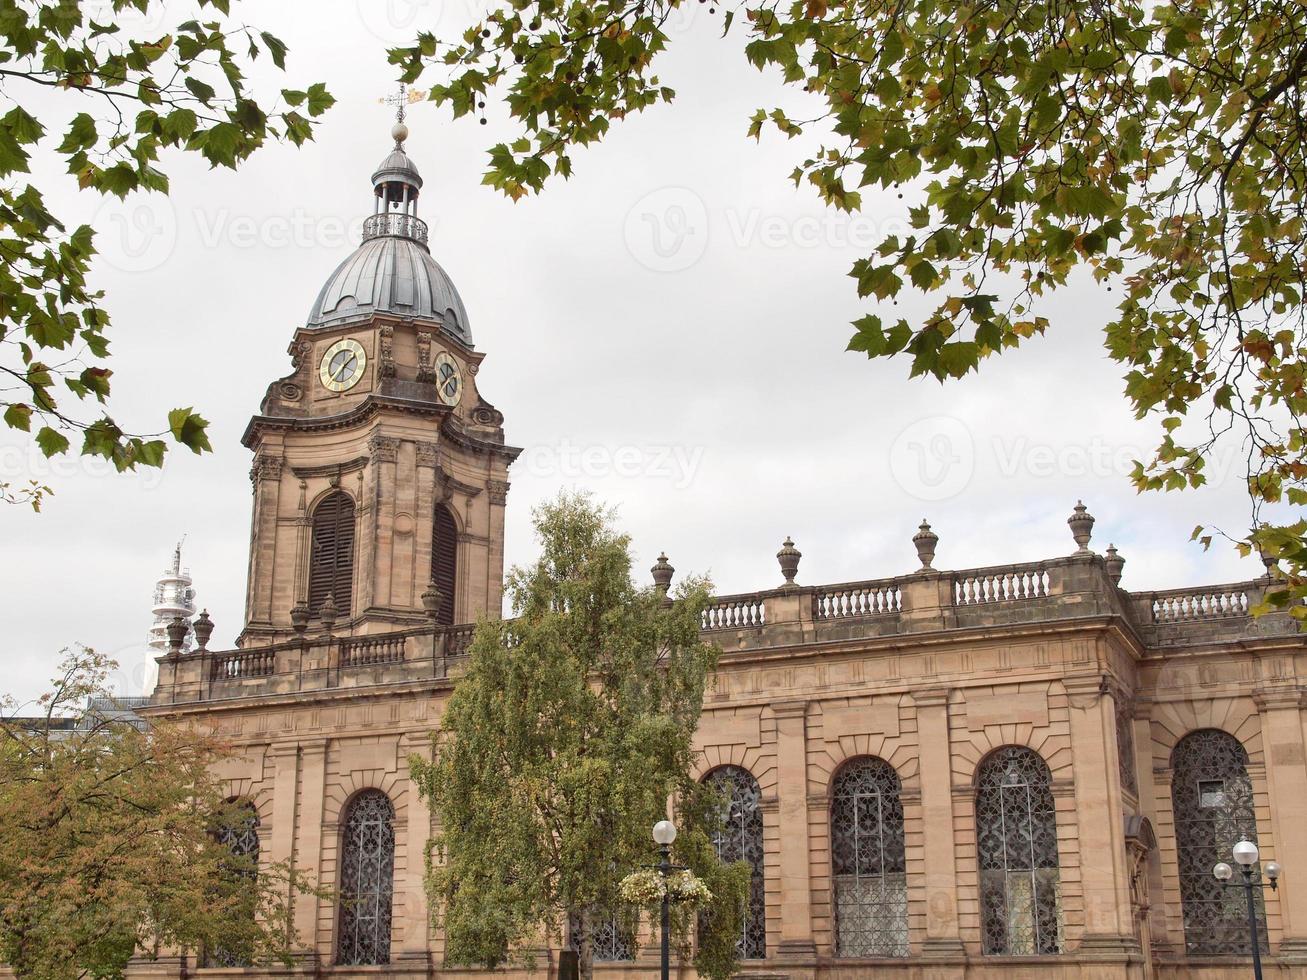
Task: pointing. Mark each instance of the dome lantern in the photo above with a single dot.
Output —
(392, 271)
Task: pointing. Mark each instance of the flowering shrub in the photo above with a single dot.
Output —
(647, 888)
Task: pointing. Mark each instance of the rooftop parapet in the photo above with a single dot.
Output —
(1080, 586)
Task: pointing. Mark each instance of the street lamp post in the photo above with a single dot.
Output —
(664, 833)
(1245, 855)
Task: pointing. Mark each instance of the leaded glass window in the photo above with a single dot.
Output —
(1016, 843)
(367, 871)
(239, 833)
(867, 860)
(739, 838)
(1212, 800)
(611, 943)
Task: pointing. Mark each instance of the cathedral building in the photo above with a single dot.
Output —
(1018, 771)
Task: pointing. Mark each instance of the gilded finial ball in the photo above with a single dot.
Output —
(399, 132)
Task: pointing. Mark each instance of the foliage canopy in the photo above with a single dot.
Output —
(1153, 149)
(559, 750)
(129, 97)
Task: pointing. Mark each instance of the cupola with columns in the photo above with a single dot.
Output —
(379, 468)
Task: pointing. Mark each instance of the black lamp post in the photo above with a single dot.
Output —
(664, 833)
(1245, 854)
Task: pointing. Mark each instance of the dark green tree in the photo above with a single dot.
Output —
(129, 98)
(560, 748)
(1155, 149)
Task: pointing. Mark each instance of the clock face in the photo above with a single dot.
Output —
(449, 380)
(342, 365)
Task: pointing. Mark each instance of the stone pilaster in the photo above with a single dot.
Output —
(939, 857)
(1286, 777)
(281, 846)
(312, 796)
(795, 847)
(385, 456)
(417, 924)
(265, 475)
(1105, 878)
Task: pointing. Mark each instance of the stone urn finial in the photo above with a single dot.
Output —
(1114, 564)
(1082, 526)
(432, 600)
(1269, 560)
(299, 618)
(203, 627)
(925, 539)
(789, 557)
(662, 573)
(177, 629)
(327, 612)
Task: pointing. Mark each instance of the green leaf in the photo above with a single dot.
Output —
(51, 443)
(189, 429)
(19, 416)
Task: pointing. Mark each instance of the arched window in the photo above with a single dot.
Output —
(867, 860)
(1016, 841)
(238, 831)
(611, 943)
(331, 559)
(444, 561)
(367, 869)
(1212, 800)
(740, 839)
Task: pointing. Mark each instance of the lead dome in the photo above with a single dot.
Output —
(392, 271)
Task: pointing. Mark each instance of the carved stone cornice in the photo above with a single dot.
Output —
(383, 449)
(451, 485)
(373, 406)
(1086, 691)
(428, 453)
(933, 698)
(790, 709)
(330, 469)
(497, 490)
(1272, 698)
(266, 467)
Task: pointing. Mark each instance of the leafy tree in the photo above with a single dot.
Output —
(560, 747)
(111, 843)
(1153, 149)
(129, 98)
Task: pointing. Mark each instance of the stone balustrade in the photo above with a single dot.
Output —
(929, 600)
(1080, 586)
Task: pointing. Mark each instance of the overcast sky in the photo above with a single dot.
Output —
(667, 329)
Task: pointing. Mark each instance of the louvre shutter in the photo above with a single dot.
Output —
(331, 561)
(444, 561)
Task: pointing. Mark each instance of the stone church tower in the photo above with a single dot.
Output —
(379, 469)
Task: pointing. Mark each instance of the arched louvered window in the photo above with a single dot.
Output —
(238, 831)
(444, 561)
(367, 872)
(1212, 800)
(331, 560)
(867, 860)
(1016, 840)
(740, 839)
